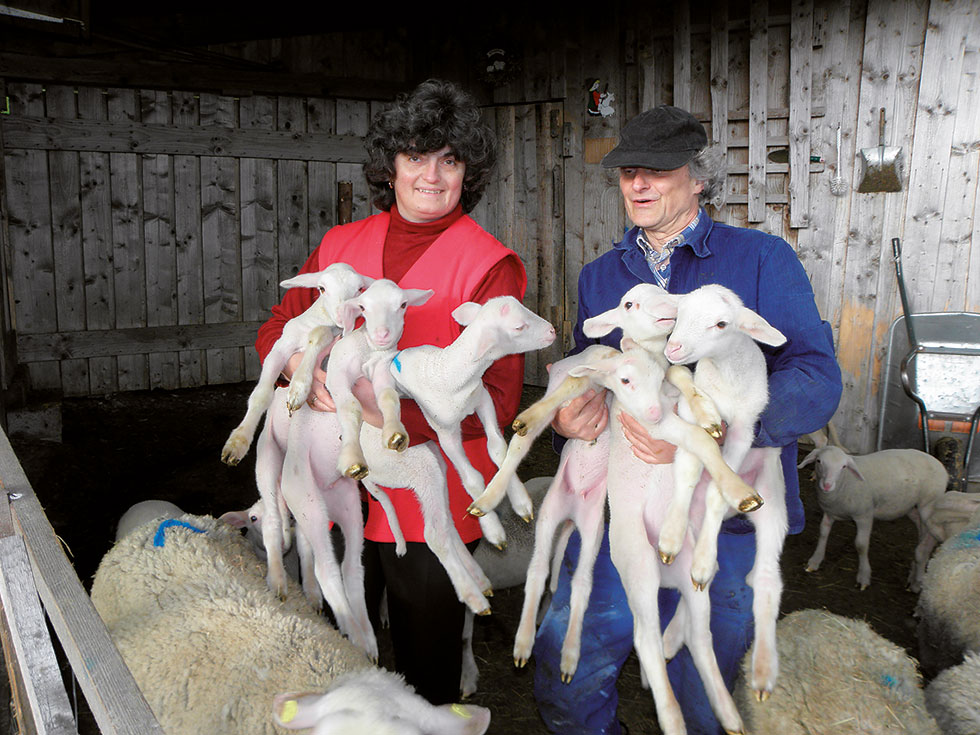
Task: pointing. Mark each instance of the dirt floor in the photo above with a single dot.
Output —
(128, 447)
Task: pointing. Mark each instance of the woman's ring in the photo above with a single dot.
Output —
(313, 400)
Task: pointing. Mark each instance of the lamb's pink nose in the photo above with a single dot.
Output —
(653, 414)
(381, 334)
(672, 349)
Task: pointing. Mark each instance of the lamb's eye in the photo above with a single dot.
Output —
(722, 324)
(254, 519)
(628, 305)
(624, 381)
(520, 327)
(321, 289)
(404, 305)
(361, 307)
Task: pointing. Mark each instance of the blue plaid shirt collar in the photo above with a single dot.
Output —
(660, 262)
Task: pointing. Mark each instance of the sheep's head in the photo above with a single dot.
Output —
(828, 464)
(644, 312)
(382, 305)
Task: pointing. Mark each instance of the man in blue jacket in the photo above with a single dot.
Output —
(666, 172)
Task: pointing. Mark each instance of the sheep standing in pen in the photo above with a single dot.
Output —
(210, 646)
(883, 485)
(321, 321)
(949, 601)
(953, 697)
(836, 676)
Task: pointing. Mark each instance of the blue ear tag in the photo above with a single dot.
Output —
(159, 539)
(396, 362)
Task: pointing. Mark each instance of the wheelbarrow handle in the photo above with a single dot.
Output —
(897, 250)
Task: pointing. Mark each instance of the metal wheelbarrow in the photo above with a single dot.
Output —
(939, 372)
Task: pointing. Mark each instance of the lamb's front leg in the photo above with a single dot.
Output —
(393, 431)
(816, 559)
(452, 444)
(268, 469)
(318, 343)
(240, 439)
(704, 412)
(923, 550)
(687, 471)
(862, 540)
(520, 501)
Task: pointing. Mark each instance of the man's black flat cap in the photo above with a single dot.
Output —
(663, 138)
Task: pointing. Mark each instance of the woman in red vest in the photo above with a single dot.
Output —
(430, 159)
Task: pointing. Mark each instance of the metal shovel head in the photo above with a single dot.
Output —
(882, 165)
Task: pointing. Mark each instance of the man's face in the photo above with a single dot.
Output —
(661, 202)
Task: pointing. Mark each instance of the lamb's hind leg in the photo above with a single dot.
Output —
(240, 439)
(589, 521)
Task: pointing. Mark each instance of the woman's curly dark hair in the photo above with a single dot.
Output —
(435, 114)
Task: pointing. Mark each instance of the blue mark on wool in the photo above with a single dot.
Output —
(966, 539)
(396, 362)
(888, 680)
(159, 540)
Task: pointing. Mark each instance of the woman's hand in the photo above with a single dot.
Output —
(319, 398)
(584, 417)
(645, 447)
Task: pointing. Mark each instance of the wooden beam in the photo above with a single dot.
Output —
(116, 702)
(137, 341)
(801, 78)
(106, 136)
(191, 76)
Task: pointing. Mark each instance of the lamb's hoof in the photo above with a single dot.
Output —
(230, 459)
(356, 471)
(714, 431)
(520, 663)
(810, 569)
(734, 732)
(474, 511)
(699, 586)
(566, 678)
(398, 441)
(484, 613)
(502, 546)
(519, 427)
(751, 503)
(488, 592)
(666, 558)
(529, 518)
(762, 695)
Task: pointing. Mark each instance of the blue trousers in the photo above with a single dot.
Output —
(587, 706)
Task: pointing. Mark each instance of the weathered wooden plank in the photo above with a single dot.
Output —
(128, 256)
(294, 232)
(719, 81)
(144, 340)
(890, 80)
(29, 230)
(551, 238)
(69, 278)
(190, 250)
(222, 249)
(353, 118)
(957, 242)
(531, 181)
(96, 205)
(682, 54)
(758, 104)
(321, 117)
(112, 695)
(260, 282)
(574, 204)
(158, 237)
(801, 46)
(220, 141)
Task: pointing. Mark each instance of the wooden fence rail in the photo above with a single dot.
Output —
(35, 572)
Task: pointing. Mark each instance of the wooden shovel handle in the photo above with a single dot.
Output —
(881, 127)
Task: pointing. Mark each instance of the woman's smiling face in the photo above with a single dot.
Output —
(427, 185)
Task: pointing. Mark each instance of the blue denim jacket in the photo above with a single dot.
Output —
(804, 377)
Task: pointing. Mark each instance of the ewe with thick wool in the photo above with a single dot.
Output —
(836, 675)
(950, 597)
(953, 697)
(208, 643)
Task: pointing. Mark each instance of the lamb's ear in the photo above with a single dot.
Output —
(808, 458)
(235, 518)
(303, 280)
(849, 464)
(601, 324)
(418, 296)
(347, 314)
(758, 328)
(626, 344)
(466, 312)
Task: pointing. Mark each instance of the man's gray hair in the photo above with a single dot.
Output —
(710, 167)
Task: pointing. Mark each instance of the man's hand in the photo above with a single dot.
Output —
(584, 417)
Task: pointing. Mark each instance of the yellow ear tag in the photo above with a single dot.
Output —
(461, 711)
(289, 710)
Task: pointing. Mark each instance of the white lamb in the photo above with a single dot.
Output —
(715, 330)
(447, 385)
(364, 352)
(336, 283)
(882, 486)
(211, 647)
(837, 676)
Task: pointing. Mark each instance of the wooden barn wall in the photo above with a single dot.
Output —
(762, 76)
